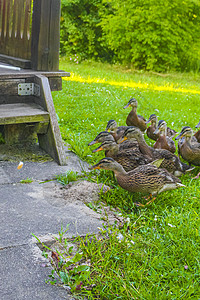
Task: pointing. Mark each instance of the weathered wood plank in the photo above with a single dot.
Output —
(13, 99)
(51, 142)
(15, 24)
(45, 44)
(16, 61)
(10, 87)
(31, 73)
(22, 113)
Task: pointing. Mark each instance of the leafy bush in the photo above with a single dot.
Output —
(147, 34)
(153, 35)
(80, 30)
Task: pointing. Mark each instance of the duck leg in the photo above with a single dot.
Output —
(151, 201)
(150, 197)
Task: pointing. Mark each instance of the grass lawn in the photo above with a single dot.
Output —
(156, 253)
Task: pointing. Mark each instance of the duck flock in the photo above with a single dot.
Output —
(139, 167)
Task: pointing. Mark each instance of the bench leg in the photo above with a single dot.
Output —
(51, 142)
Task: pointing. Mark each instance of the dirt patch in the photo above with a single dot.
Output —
(83, 195)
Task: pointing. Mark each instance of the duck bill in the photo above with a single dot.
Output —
(179, 136)
(97, 149)
(198, 125)
(156, 131)
(95, 167)
(122, 140)
(92, 143)
(126, 106)
(147, 122)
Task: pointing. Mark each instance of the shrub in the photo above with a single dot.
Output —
(153, 35)
(80, 30)
(148, 34)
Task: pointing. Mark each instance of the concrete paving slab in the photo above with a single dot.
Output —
(39, 171)
(22, 277)
(29, 208)
(41, 209)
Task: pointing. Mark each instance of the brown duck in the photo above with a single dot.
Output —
(188, 150)
(163, 141)
(171, 162)
(107, 136)
(146, 178)
(133, 119)
(197, 134)
(129, 158)
(115, 130)
(101, 137)
(150, 130)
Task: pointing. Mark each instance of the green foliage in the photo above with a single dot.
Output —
(154, 253)
(67, 178)
(28, 180)
(91, 106)
(152, 35)
(80, 31)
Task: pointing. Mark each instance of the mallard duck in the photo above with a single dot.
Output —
(101, 137)
(150, 130)
(107, 136)
(129, 159)
(181, 141)
(115, 130)
(171, 162)
(197, 134)
(133, 119)
(188, 150)
(163, 141)
(146, 178)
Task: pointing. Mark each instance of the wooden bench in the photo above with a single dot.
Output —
(27, 112)
(29, 39)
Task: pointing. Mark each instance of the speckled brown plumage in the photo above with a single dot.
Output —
(163, 141)
(171, 162)
(115, 130)
(188, 150)
(147, 178)
(101, 137)
(128, 158)
(151, 129)
(107, 136)
(197, 134)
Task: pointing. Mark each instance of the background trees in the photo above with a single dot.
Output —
(147, 34)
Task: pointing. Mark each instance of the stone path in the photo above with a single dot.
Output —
(39, 208)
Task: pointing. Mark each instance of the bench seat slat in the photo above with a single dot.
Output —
(22, 113)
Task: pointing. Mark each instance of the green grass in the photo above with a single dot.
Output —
(158, 257)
